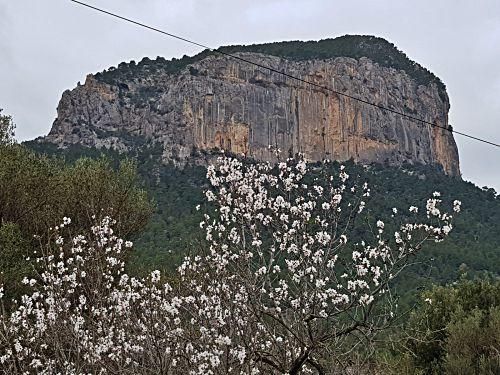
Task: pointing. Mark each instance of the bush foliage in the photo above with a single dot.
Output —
(455, 330)
(36, 191)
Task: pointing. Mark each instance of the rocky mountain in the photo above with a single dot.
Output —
(212, 101)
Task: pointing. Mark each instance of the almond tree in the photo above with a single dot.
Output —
(281, 281)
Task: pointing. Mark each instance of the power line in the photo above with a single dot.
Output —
(409, 117)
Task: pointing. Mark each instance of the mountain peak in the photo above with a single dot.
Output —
(212, 101)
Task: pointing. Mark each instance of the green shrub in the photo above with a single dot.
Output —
(37, 191)
(456, 330)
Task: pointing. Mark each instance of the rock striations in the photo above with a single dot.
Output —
(212, 101)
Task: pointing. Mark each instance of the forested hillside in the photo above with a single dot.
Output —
(473, 246)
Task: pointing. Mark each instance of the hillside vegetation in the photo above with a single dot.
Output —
(377, 49)
(473, 246)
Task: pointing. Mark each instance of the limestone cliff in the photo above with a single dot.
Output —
(218, 102)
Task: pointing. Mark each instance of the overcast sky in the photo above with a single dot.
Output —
(47, 46)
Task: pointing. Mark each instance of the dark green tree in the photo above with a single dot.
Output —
(455, 330)
(37, 192)
(7, 128)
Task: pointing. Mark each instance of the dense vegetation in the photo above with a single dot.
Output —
(454, 330)
(37, 191)
(355, 46)
(473, 245)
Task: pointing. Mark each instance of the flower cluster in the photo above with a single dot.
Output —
(86, 315)
(285, 276)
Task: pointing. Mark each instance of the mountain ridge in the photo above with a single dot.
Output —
(375, 48)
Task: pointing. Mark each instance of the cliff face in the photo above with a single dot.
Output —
(217, 102)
